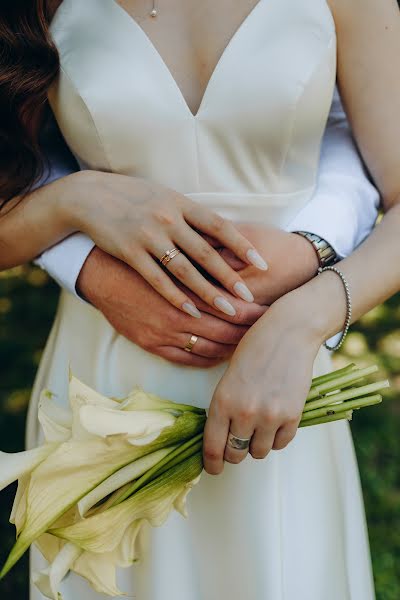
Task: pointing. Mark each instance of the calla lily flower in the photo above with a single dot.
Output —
(16, 465)
(111, 468)
(62, 474)
(91, 456)
(103, 532)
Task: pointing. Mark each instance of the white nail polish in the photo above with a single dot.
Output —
(256, 260)
(191, 310)
(243, 291)
(223, 305)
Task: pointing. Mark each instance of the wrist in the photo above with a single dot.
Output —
(309, 257)
(79, 196)
(326, 255)
(87, 282)
(319, 307)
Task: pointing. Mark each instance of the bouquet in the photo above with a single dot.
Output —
(109, 466)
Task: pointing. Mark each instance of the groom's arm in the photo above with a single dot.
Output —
(345, 205)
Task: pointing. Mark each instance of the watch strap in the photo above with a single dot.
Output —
(326, 254)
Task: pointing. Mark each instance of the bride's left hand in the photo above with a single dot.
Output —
(263, 391)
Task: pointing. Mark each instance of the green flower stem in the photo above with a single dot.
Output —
(332, 375)
(191, 449)
(327, 419)
(182, 452)
(349, 394)
(343, 406)
(340, 382)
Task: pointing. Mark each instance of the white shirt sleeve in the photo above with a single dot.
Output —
(344, 207)
(63, 261)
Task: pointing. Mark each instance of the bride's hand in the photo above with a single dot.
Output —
(262, 394)
(137, 221)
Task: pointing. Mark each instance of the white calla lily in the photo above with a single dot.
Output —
(75, 467)
(102, 421)
(18, 512)
(120, 478)
(56, 422)
(128, 552)
(48, 580)
(81, 395)
(15, 465)
(100, 571)
(104, 531)
(138, 399)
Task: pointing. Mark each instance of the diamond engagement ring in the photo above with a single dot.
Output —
(238, 443)
(169, 255)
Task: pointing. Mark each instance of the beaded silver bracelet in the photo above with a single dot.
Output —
(348, 306)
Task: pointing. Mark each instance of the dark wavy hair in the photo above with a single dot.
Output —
(29, 63)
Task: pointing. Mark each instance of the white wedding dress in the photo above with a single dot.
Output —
(292, 526)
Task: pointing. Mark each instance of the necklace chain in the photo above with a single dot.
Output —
(153, 12)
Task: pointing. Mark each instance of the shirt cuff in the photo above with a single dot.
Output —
(344, 220)
(64, 261)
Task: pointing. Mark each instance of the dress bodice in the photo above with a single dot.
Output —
(252, 149)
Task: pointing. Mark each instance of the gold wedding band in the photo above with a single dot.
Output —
(238, 443)
(169, 255)
(191, 343)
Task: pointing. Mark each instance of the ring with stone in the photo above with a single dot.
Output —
(169, 255)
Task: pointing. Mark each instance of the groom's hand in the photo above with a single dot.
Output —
(291, 258)
(140, 314)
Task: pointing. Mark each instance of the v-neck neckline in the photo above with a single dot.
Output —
(164, 65)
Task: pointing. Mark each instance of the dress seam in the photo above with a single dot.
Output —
(89, 114)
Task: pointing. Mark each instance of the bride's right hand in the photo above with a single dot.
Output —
(137, 221)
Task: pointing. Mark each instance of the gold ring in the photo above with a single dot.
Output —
(238, 443)
(169, 255)
(191, 343)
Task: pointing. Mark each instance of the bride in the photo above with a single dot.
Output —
(176, 167)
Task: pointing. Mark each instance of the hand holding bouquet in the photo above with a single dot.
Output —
(109, 465)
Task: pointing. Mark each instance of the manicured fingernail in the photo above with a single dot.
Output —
(256, 259)
(191, 310)
(223, 305)
(243, 291)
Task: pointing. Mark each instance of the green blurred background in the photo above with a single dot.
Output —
(27, 304)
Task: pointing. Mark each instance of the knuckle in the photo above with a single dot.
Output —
(224, 401)
(292, 421)
(247, 413)
(205, 252)
(217, 223)
(157, 281)
(271, 414)
(146, 234)
(211, 453)
(234, 458)
(145, 341)
(128, 251)
(181, 271)
(164, 216)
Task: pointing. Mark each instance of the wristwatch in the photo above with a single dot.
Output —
(326, 254)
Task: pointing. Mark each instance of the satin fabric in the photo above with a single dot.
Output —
(291, 527)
